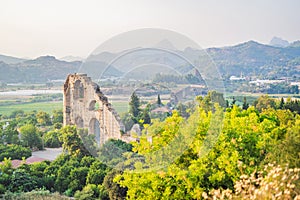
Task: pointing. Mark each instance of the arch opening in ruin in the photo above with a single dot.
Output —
(79, 122)
(78, 89)
(92, 105)
(94, 128)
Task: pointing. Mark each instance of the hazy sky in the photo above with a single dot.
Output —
(30, 28)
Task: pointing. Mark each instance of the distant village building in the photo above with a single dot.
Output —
(161, 110)
(235, 78)
(265, 82)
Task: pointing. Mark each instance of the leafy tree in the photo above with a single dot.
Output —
(36, 171)
(51, 139)
(127, 121)
(182, 109)
(30, 118)
(10, 135)
(78, 178)
(286, 150)
(43, 118)
(21, 181)
(6, 171)
(115, 191)
(57, 116)
(6, 166)
(90, 191)
(30, 136)
(57, 126)
(17, 113)
(111, 152)
(62, 178)
(264, 102)
(145, 116)
(96, 173)
(207, 102)
(87, 161)
(72, 142)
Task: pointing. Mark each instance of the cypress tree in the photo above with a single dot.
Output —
(158, 100)
(134, 107)
(245, 104)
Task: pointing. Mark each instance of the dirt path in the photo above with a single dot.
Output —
(48, 153)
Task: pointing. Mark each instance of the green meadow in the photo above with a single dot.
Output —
(27, 107)
(48, 107)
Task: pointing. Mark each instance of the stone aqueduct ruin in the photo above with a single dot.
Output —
(87, 107)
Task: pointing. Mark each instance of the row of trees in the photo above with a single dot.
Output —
(39, 118)
(264, 102)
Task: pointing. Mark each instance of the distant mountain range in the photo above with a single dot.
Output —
(279, 42)
(42, 69)
(10, 59)
(71, 58)
(250, 58)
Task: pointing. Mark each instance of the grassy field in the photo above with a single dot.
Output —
(27, 107)
(9, 104)
(120, 107)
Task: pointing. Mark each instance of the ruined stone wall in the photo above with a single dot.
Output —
(87, 107)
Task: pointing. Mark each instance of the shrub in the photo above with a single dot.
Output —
(14, 151)
(51, 139)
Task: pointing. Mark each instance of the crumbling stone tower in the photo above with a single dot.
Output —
(87, 107)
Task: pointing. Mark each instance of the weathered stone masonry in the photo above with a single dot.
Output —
(87, 107)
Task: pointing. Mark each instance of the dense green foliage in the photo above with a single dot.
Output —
(30, 136)
(36, 195)
(249, 139)
(200, 151)
(111, 152)
(136, 115)
(73, 173)
(14, 151)
(51, 139)
(34, 130)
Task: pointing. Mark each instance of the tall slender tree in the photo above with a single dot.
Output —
(158, 100)
(245, 104)
(281, 105)
(134, 107)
